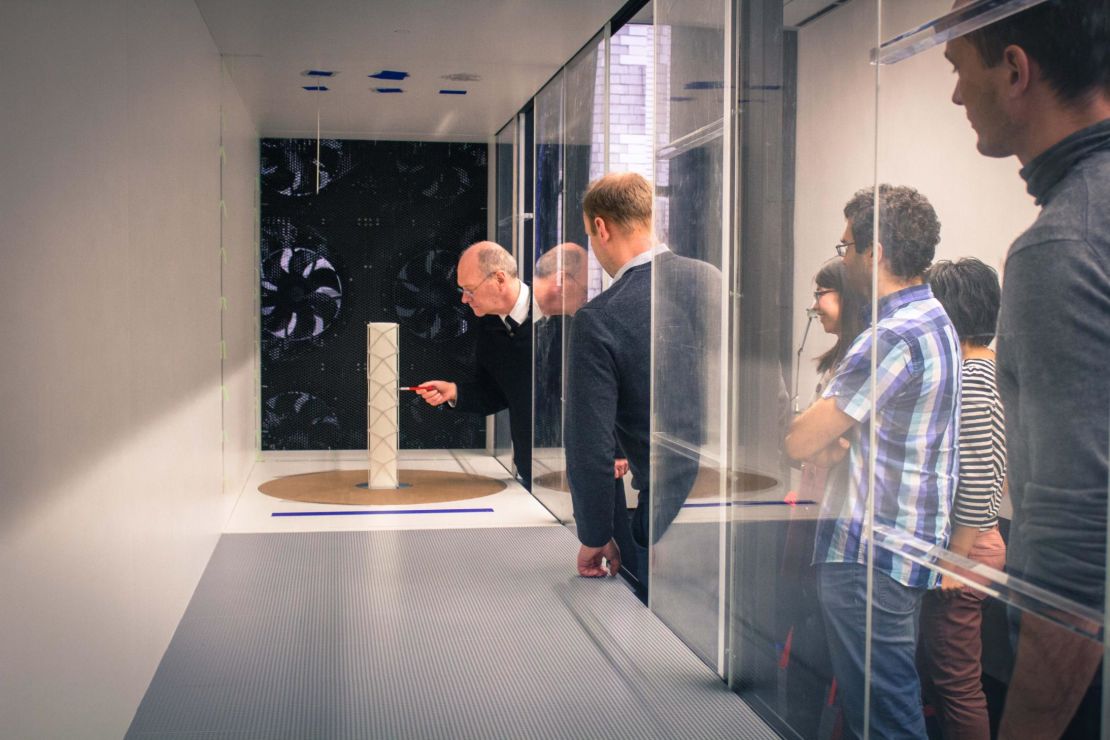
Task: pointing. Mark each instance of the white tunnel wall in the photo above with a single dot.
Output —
(112, 430)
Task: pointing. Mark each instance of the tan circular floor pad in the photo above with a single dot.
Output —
(341, 487)
(705, 486)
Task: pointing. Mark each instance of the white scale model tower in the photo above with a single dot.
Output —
(382, 352)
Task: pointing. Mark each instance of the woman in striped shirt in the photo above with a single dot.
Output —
(951, 616)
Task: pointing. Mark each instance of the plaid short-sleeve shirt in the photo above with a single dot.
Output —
(917, 385)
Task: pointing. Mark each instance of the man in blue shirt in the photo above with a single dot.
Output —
(903, 413)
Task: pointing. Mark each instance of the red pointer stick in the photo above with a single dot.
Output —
(417, 388)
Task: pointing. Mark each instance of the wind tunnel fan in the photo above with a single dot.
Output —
(301, 294)
(295, 420)
(289, 165)
(426, 298)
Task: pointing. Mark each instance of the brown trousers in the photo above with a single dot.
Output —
(952, 649)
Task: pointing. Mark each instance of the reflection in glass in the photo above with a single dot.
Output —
(559, 282)
(570, 149)
(1043, 618)
(548, 342)
(692, 72)
(803, 131)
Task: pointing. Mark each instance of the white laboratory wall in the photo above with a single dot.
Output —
(111, 434)
(924, 141)
(240, 234)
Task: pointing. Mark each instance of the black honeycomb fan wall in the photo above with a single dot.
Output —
(373, 236)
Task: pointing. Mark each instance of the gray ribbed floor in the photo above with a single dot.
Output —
(474, 633)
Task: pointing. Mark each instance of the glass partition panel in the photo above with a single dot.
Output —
(631, 107)
(806, 142)
(584, 144)
(570, 149)
(568, 260)
(693, 78)
(509, 182)
(548, 284)
(993, 509)
(505, 165)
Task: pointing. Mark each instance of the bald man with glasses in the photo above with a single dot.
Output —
(488, 283)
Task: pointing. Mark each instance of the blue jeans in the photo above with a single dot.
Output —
(895, 686)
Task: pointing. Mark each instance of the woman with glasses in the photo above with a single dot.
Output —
(838, 309)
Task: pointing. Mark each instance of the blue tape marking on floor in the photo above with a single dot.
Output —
(382, 511)
(748, 503)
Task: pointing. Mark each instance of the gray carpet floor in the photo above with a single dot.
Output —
(470, 633)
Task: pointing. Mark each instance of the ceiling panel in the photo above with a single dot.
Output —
(513, 46)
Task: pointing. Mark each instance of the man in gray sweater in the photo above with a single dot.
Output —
(609, 375)
(1036, 86)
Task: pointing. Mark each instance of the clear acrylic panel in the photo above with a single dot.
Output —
(1011, 641)
(693, 78)
(505, 164)
(631, 107)
(509, 214)
(584, 106)
(805, 573)
(548, 461)
(506, 218)
(800, 559)
(570, 148)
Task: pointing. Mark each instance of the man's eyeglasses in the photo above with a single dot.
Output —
(842, 247)
(469, 292)
(820, 292)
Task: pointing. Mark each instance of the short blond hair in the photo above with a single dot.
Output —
(623, 200)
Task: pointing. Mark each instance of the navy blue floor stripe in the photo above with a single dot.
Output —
(372, 512)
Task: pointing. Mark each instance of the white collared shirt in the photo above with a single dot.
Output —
(519, 313)
(641, 259)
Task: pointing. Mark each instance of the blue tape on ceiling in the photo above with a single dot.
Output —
(316, 88)
(452, 92)
(319, 73)
(389, 74)
(704, 85)
(382, 511)
(388, 90)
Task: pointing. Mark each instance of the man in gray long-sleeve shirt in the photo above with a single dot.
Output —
(1036, 85)
(609, 374)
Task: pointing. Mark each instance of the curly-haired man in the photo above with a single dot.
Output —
(911, 432)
